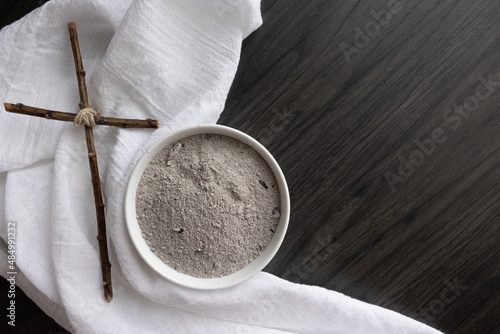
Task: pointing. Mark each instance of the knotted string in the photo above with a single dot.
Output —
(85, 116)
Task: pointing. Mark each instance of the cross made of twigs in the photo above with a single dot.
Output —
(88, 120)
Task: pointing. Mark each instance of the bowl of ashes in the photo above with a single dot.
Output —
(207, 207)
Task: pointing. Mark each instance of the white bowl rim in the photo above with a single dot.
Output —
(190, 281)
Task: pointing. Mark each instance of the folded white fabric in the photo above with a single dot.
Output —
(168, 60)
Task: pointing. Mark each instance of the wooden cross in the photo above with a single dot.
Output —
(89, 135)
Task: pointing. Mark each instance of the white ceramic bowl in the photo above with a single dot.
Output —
(194, 282)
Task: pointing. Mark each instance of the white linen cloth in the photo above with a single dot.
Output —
(173, 61)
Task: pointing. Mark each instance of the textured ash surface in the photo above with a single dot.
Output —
(207, 205)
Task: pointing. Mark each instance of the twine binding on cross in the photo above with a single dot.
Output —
(85, 117)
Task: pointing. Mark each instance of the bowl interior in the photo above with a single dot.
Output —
(190, 281)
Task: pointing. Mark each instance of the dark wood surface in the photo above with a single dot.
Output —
(347, 98)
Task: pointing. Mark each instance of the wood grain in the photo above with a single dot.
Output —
(13, 10)
(337, 125)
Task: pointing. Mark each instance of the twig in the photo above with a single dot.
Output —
(96, 183)
(19, 108)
